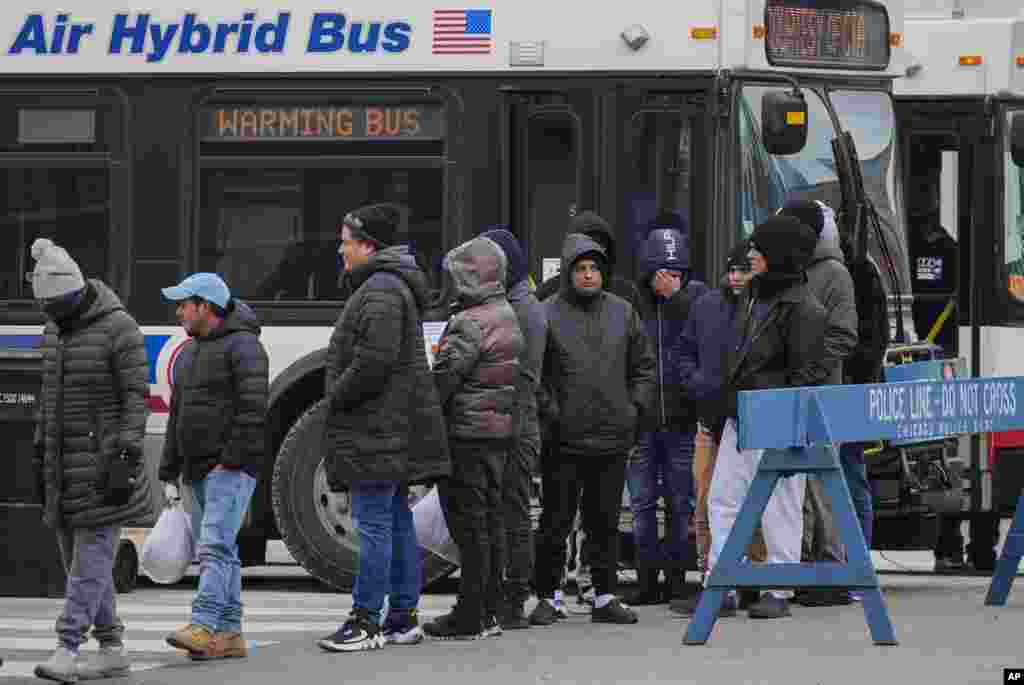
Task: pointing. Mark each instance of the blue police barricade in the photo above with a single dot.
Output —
(798, 428)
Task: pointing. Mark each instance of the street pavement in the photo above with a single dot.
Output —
(946, 635)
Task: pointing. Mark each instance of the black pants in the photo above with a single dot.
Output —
(601, 478)
(471, 501)
(517, 552)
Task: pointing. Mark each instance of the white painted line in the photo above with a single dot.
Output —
(26, 669)
(136, 625)
(48, 644)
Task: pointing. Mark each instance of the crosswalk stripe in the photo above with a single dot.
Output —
(142, 626)
(26, 669)
(48, 643)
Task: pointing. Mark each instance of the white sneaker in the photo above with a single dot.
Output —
(62, 666)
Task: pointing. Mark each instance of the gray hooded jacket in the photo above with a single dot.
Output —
(830, 282)
(477, 364)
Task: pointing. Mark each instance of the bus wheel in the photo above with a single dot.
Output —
(126, 567)
(315, 523)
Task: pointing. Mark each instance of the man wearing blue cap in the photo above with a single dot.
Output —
(215, 441)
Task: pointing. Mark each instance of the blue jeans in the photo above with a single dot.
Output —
(389, 556)
(219, 502)
(851, 456)
(668, 455)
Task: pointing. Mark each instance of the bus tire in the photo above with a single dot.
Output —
(316, 524)
(126, 567)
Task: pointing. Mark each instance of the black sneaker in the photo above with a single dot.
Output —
(512, 617)
(543, 614)
(769, 606)
(402, 628)
(748, 596)
(688, 606)
(613, 612)
(822, 597)
(491, 626)
(357, 634)
(451, 627)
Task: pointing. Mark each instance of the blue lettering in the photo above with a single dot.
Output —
(326, 34)
(223, 31)
(356, 42)
(396, 37)
(271, 37)
(78, 31)
(121, 32)
(31, 37)
(189, 31)
(245, 34)
(162, 39)
(57, 44)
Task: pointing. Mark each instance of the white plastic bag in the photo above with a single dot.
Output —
(168, 549)
(431, 528)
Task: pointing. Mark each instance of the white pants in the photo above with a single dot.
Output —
(783, 520)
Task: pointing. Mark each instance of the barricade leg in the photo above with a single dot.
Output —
(858, 558)
(1009, 560)
(699, 629)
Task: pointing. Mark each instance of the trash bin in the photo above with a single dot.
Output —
(32, 566)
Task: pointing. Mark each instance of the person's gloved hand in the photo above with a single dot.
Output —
(171, 493)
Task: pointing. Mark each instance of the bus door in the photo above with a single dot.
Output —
(549, 149)
(64, 171)
(657, 137)
(941, 149)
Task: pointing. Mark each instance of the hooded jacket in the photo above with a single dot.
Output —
(664, 321)
(593, 226)
(533, 325)
(477, 365)
(384, 421)
(832, 284)
(704, 351)
(219, 401)
(91, 408)
(779, 339)
(599, 371)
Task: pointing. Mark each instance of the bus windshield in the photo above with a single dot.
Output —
(769, 181)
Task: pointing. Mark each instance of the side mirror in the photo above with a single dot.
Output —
(1017, 138)
(784, 121)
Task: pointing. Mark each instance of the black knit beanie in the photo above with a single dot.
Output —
(786, 243)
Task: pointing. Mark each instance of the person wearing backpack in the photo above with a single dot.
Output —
(664, 451)
(832, 284)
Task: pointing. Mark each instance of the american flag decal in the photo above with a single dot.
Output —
(462, 32)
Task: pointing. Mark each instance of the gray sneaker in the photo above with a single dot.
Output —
(62, 667)
(108, 662)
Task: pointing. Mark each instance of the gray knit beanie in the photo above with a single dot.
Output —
(56, 273)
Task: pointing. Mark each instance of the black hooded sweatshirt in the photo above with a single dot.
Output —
(599, 370)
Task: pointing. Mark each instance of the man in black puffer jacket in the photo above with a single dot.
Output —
(91, 422)
(778, 342)
(215, 441)
(598, 383)
(384, 427)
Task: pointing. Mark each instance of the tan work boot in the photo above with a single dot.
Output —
(224, 646)
(192, 638)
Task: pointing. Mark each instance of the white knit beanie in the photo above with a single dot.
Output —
(56, 273)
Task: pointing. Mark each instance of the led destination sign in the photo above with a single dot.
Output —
(843, 35)
(324, 123)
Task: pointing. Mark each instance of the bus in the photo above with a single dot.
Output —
(157, 142)
(955, 105)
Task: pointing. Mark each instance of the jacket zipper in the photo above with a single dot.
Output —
(661, 370)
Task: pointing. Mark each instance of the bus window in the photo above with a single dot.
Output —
(69, 206)
(767, 182)
(273, 233)
(659, 172)
(1014, 250)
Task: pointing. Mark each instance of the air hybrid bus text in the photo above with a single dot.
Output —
(139, 35)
